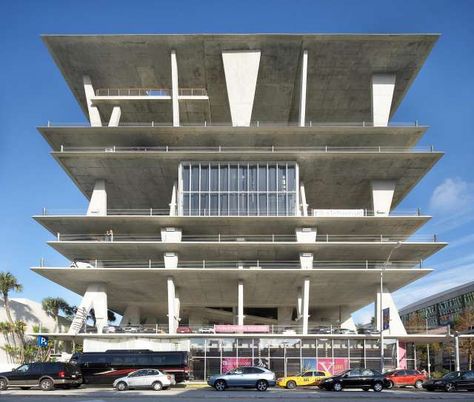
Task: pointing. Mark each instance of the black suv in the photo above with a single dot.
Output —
(44, 375)
(355, 378)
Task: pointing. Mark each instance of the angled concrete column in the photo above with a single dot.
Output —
(171, 235)
(306, 260)
(304, 78)
(305, 235)
(98, 202)
(349, 324)
(396, 326)
(304, 205)
(171, 260)
(173, 202)
(305, 312)
(131, 315)
(241, 71)
(94, 115)
(95, 298)
(240, 303)
(115, 116)
(171, 306)
(174, 88)
(285, 316)
(383, 86)
(382, 195)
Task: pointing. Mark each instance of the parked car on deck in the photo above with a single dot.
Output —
(184, 330)
(453, 381)
(244, 377)
(306, 378)
(402, 378)
(355, 378)
(45, 375)
(145, 378)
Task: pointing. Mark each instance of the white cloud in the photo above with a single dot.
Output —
(452, 195)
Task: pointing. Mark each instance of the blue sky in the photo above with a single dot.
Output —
(34, 92)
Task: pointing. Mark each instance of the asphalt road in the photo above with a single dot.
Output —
(237, 395)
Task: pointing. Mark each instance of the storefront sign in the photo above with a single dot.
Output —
(230, 363)
(241, 329)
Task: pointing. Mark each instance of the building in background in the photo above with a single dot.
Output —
(243, 193)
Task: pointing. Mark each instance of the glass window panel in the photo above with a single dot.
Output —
(291, 204)
(224, 178)
(233, 179)
(272, 178)
(253, 204)
(262, 204)
(291, 178)
(224, 210)
(243, 178)
(253, 178)
(204, 204)
(195, 178)
(214, 205)
(272, 204)
(233, 210)
(262, 178)
(186, 178)
(186, 204)
(214, 178)
(281, 204)
(194, 204)
(243, 204)
(282, 177)
(204, 178)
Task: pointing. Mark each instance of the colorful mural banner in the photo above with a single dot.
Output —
(332, 366)
(402, 355)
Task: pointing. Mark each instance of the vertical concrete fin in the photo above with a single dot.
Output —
(98, 202)
(304, 78)
(241, 71)
(305, 312)
(383, 86)
(240, 303)
(94, 115)
(171, 306)
(396, 326)
(382, 196)
(174, 88)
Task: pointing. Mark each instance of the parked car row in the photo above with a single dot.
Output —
(140, 329)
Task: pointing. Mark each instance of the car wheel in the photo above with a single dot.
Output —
(390, 384)
(449, 387)
(337, 387)
(262, 385)
(46, 384)
(291, 385)
(418, 384)
(157, 386)
(122, 386)
(220, 385)
(3, 384)
(378, 387)
(25, 388)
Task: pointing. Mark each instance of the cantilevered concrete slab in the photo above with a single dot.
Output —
(245, 250)
(353, 288)
(363, 225)
(340, 68)
(214, 136)
(144, 179)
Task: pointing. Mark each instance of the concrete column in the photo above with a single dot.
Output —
(349, 324)
(396, 324)
(174, 197)
(115, 116)
(285, 316)
(94, 115)
(171, 235)
(383, 86)
(177, 307)
(304, 205)
(131, 315)
(299, 303)
(171, 306)
(240, 303)
(241, 71)
(306, 260)
(306, 235)
(305, 312)
(98, 202)
(382, 195)
(171, 260)
(304, 78)
(174, 88)
(95, 298)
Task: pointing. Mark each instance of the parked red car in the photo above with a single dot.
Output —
(403, 378)
(184, 330)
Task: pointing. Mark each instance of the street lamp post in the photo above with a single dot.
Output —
(427, 346)
(387, 261)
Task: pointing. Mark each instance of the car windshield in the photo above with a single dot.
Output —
(454, 374)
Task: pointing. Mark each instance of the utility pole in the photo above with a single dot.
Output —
(427, 346)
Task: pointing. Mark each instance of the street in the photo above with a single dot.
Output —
(192, 394)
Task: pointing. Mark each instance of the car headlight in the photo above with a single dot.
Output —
(329, 379)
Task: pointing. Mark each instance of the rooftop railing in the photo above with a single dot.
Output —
(249, 150)
(240, 264)
(149, 92)
(224, 238)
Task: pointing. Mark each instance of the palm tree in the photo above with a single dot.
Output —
(53, 306)
(8, 282)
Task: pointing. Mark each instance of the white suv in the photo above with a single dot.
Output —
(145, 378)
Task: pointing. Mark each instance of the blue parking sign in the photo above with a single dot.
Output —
(42, 341)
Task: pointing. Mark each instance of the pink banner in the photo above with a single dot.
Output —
(333, 366)
(402, 355)
(230, 363)
(240, 329)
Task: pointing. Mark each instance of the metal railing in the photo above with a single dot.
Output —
(149, 92)
(240, 264)
(224, 238)
(249, 150)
